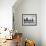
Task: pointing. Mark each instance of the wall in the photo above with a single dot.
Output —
(6, 13)
(28, 7)
(43, 22)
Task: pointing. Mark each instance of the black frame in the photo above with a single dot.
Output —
(29, 15)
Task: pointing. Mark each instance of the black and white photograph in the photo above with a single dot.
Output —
(29, 19)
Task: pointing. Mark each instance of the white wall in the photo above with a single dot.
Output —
(43, 22)
(6, 13)
(28, 7)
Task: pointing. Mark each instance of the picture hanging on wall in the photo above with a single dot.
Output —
(29, 19)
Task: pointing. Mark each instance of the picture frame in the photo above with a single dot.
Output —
(29, 19)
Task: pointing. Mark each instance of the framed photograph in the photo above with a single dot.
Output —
(29, 19)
